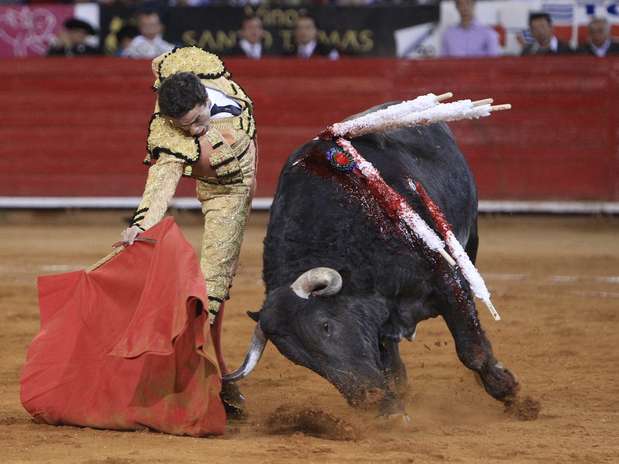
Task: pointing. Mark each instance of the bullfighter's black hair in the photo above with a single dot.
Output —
(180, 93)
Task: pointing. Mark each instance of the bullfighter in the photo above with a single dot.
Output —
(202, 127)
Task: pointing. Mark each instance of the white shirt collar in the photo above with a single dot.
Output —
(252, 50)
(305, 51)
(600, 51)
(219, 98)
(554, 44)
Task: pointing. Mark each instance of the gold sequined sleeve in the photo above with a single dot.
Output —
(163, 177)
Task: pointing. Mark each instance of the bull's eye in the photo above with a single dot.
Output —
(326, 328)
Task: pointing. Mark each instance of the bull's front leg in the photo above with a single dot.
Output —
(395, 379)
(473, 347)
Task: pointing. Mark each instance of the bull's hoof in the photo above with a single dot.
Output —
(500, 383)
(233, 400)
(391, 406)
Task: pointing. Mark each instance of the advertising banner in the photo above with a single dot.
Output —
(30, 30)
(353, 31)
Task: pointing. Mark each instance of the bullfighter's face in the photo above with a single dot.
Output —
(196, 121)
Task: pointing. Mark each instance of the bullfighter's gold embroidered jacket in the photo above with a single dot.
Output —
(171, 153)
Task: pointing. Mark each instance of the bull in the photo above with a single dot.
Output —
(343, 289)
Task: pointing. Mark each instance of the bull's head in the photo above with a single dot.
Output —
(314, 324)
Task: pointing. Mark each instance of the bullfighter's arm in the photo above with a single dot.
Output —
(163, 177)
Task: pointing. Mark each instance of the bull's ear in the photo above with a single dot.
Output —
(255, 315)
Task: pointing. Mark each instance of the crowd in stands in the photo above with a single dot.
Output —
(172, 3)
(145, 40)
(468, 38)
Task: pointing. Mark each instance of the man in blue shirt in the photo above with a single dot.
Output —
(469, 38)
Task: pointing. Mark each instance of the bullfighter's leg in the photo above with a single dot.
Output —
(225, 208)
(472, 345)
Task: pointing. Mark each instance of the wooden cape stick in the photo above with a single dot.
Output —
(106, 258)
(118, 248)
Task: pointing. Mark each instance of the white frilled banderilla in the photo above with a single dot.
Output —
(426, 109)
(423, 110)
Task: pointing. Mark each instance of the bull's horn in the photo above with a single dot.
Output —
(256, 348)
(317, 281)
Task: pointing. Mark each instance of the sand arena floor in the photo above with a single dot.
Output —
(554, 280)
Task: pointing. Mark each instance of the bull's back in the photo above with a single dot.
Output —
(430, 155)
(314, 222)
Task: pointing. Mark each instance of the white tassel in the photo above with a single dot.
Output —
(423, 110)
(374, 121)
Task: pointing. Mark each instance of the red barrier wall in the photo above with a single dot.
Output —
(76, 127)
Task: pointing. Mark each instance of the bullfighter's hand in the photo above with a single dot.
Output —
(129, 235)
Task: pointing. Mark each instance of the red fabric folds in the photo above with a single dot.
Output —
(124, 347)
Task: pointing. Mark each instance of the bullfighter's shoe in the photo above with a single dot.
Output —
(233, 400)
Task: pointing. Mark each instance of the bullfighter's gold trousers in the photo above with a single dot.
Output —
(225, 208)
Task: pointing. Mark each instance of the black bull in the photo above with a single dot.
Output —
(345, 322)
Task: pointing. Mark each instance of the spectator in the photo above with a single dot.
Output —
(306, 45)
(190, 3)
(124, 37)
(600, 43)
(72, 40)
(149, 43)
(469, 38)
(544, 40)
(251, 36)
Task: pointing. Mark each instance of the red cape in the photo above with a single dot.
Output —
(124, 347)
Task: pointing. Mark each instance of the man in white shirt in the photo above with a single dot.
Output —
(306, 44)
(600, 43)
(250, 43)
(149, 43)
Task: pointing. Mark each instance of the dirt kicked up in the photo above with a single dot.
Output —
(554, 280)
